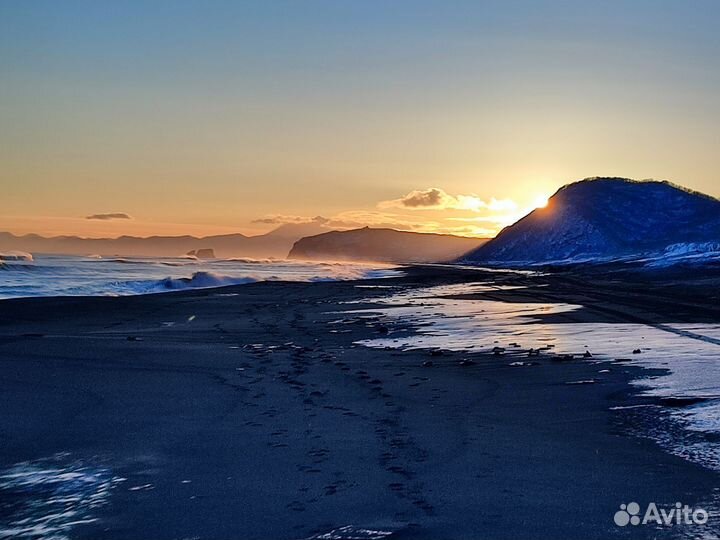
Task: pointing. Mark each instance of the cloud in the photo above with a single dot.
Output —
(278, 219)
(491, 219)
(431, 198)
(438, 199)
(351, 219)
(354, 219)
(501, 205)
(428, 198)
(465, 214)
(107, 217)
(475, 226)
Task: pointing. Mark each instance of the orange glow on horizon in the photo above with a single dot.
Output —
(541, 201)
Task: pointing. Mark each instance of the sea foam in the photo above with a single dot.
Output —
(84, 276)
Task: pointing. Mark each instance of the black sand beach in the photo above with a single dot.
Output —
(243, 413)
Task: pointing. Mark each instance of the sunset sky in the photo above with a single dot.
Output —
(211, 117)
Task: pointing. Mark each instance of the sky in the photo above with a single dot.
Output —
(210, 116)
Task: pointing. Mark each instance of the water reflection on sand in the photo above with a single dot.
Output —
(49, 498)
(687, 353)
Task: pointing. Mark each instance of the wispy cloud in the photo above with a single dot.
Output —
(438, 199)
(351, 219)
(107, 217)
(446, 213)
(280, 219)
(355, 219)
(497, 219)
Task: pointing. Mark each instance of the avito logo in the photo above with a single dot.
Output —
(680, 514)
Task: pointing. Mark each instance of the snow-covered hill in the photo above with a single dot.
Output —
(606, 218)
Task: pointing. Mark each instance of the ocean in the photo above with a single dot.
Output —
(61, 275)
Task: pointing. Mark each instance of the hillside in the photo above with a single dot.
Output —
(605, 218)
(387, 245)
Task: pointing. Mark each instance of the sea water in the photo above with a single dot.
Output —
(56, 275)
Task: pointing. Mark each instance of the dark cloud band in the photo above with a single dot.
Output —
(106, 217)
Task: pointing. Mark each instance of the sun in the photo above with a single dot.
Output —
(540, 201)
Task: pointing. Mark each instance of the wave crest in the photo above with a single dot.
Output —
(201, 280)
(13, 256)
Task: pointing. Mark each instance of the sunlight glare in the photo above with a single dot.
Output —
(541, 201)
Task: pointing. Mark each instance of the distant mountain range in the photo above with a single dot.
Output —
(276, 243)
(601, 218)
(300, 241)
(385, 245)
(593, 220)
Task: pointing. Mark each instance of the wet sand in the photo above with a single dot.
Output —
(248, 412)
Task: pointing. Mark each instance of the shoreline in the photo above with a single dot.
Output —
(248, 414)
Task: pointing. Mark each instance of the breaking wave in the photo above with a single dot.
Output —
(247, 260)
(82, 276)
(200, 280)
(15, 256)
